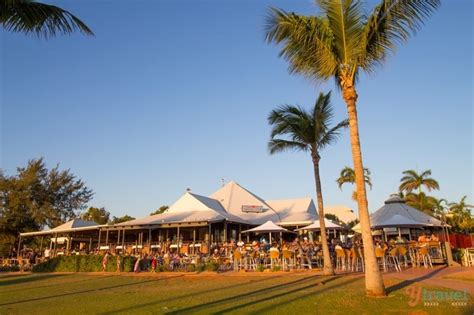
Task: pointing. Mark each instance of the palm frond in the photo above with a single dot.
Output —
(390, 23)
(306, 43)
(281, 145)
(39, 19)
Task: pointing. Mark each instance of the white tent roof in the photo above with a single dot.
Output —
(232, 197)
(189, 208)
(328, 223)
(267, 227)
(294, 211)
(344, 213)
(74, 225)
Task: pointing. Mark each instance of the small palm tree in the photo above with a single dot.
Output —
(42, 20)
(460, 215)
(309, 132)
(412, 181)
(421, 202)
(347, 175)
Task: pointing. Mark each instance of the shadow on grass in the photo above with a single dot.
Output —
(406, 283)
(29, 278)
(87, 291)
(56, 284)
(274, 306)
(196, 308)
(142, 305)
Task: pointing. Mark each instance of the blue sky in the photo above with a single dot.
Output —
(172, 95)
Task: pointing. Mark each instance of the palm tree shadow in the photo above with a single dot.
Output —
(86, 291)
(406, 283)
(200, 307)
(286, 293)
(30, 278)
(55, 284)
(134, 307)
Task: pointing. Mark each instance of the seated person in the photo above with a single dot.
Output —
(422, 238)
(434, 238)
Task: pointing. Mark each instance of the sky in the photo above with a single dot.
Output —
(171, 95)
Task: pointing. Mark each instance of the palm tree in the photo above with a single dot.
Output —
(309, 132)
(421, 202)
(42, 20)
(412, 181)
(460, 214)
(339, 43)
(347, 175)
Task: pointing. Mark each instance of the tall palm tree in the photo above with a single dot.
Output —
(412, 181)
(347, 175)
(42, 20)
(308, 131)
(339, 43)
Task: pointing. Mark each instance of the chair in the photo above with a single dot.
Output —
(402, 252)
(288, 259)
(469, 256)
(380, 256)
(340, 259)
(237, 259)
(393, 259)
(425, 256)
(274, 258)
(251, 261)
(356, 260)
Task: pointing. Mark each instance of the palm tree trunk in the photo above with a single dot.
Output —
(373, 278)
(328, 268)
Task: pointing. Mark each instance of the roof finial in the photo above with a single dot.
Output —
(223, 181)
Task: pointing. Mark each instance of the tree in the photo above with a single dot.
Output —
(412, 181)
(125, 218)
(332, 217)
(340, 43)
(347, 175)
(160, 210)
(421, 202)
(41, 20)
(37, 197)
(460, 215)
(98, 215)
(308, 131)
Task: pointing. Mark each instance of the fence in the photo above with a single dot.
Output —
(460, 240)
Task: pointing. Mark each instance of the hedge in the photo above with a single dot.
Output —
(86, 263)
(93, 263)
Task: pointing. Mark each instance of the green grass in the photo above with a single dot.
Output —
(271, 293)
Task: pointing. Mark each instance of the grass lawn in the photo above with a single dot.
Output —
(271, 293)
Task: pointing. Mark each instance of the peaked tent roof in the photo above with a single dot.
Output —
(398, 220)
(295, 211)
(189, 208)
(70, 226)
(267, 227)
(344, 213)
(232, 197)
(316, 225)
(397, 206)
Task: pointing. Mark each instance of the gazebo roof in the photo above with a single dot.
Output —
(316, 226)
(267, 227)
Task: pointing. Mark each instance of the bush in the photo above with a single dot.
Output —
(10, 268)
(212, 266)
(84, 263)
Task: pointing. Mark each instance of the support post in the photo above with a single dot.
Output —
(194, 240)
(98, 242)
(41, 245)
(225, 231)
(19, 248)
(123, 241)
(209, 240)
(149, 237)
(177, 238)
(107, 237)
(240, 232)
(90, 244)
(55, 244)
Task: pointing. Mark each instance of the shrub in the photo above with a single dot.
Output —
(10, 268)
(212, 266)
